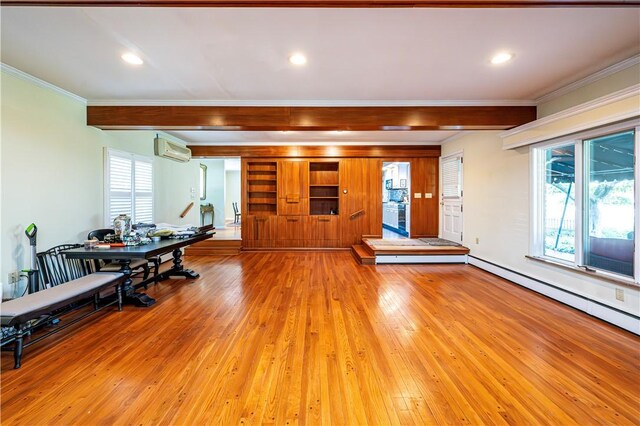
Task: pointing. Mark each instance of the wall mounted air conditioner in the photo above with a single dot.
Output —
(171, 150)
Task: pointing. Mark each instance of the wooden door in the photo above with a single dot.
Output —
(293, 188)
(451, 196)
(424, 197)
(360, 206)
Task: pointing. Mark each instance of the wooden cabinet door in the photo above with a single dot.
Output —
(265, 228)
(290, 228)
(293, 178)
(293, 188)
(259, 228)
(361, 205)
(291, 231)
(326, 227)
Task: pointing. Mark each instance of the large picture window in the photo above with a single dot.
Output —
(585, 201)
(128, 187)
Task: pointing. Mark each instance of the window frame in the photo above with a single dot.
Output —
(108, 153)
(537, 167)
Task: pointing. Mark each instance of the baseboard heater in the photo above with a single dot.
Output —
(617, 317)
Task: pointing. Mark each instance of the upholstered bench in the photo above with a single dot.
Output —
(18, 312)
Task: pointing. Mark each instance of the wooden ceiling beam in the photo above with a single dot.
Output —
(307, 151)
(327, 3)
(309, 118)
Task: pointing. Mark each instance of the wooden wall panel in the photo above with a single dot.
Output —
(424, 211)
(328, 152)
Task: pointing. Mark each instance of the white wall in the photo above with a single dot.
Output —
(215, 189)
(232, 192)
(497, 212)
(52, 172)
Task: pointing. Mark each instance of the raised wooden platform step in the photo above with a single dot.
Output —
(213, 247)
(415, 250)
(362, 255)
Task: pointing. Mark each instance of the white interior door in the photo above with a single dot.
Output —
(451, 197)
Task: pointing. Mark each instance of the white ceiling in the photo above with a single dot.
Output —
(357, 56)
(354, 54)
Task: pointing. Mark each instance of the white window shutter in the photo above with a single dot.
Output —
(128, 187)
(144, 192)
(451, 177)
(119, 185)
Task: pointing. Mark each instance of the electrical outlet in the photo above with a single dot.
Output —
(14, 277)
(477, 240)
(620, 294)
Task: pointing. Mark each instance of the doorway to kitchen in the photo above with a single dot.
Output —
(396, 209)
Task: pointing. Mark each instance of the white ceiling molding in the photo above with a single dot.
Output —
(310, 103)
(458, 136)
(538, 135)
(622, 65)
(38, 82)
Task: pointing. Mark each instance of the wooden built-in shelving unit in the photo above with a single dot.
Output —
(316, 201)
(324, 193)
(262, 188)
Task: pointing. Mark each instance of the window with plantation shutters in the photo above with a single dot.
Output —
(128, 187)
(451, 184)
(143, 197)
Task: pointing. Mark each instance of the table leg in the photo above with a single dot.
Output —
(130, 295)
(178, 270)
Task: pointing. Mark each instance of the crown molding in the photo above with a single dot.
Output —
(458, 136)
(606, 72)
(8, 69)
(309, 103)
(570, 112)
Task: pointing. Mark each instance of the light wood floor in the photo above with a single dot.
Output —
(311, 338)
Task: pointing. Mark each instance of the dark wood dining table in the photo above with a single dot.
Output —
(124, 255)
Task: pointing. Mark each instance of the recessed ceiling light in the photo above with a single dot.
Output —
(132, 59)
(501, 58)
(298, 59)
